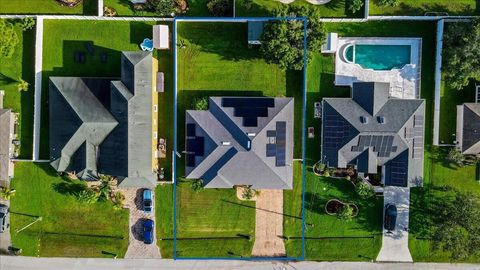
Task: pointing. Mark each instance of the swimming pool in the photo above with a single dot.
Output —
(378, 57)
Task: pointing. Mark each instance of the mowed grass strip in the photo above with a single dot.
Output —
(68, 227)
(420, 7)
(86, 7)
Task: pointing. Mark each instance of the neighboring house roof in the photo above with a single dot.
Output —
(100, 125)
(6, 123)
(468, 128)
(371, 130)
(241, 141)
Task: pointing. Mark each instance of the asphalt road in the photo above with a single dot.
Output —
(30, 263)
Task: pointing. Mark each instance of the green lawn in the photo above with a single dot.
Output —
(164, 219)
(125, 8)
(63, 37)
(88, 7)
(420, 7)
(292, 213)
(68, 228)
(20, 65)
(335, 8)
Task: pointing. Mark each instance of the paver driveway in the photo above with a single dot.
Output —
(395, 244)
(136, 248)
(269, 225)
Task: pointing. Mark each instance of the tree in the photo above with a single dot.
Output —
(392, 3)
(8, 39)
(105, 187)
(22, 85)
(162, 7)
(461, 53)
(87, 196)
(355, 5)
(455, 156)
(364, 190)
(26, 23)
(458, 230)
(6, 193)
(282, 40)
(219, 8)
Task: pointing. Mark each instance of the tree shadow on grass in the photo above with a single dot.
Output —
(68, 187)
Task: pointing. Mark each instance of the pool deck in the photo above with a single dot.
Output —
(404, 82)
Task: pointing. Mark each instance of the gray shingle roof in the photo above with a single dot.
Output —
(230, 143)
(370, 130)
(103, 125)
(5, 125)
(468, 128)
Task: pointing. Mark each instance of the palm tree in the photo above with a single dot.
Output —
(22, 85)
(6, 193)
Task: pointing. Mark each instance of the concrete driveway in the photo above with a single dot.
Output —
(395, 244)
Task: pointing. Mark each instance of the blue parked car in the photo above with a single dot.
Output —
(390, 217)
(147, 201)
(148, 231)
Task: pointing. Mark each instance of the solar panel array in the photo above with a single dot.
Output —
(382, 145)
(398, 173)
(417, 136)
(249, 108)
(335, 130)
(276, 147)
(194, 145)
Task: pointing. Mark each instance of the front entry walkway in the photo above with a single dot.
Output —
(136, 248)
(395, 244)
(269, 225)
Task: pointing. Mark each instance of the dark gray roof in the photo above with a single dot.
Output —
(241, 141)
(104, 126)
(468, 128)
(370, 130)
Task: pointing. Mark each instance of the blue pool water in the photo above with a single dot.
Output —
(379, 57)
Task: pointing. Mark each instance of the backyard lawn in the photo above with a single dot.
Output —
(260, 8)
(420, 7)
(63, 38)
(125, 8)
(20, 66)
(87, 7)
(68, 227)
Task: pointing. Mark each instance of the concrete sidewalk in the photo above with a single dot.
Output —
(395, 244)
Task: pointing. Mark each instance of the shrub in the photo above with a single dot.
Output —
(109, 11)
(87, 196)
(22, 85)
(117, 199)
(6, 193)
(219, 8)
(346, 213)
(182, 6)
(355, 5)
(26, 23)
(326, 173)
(197, 184)
(162, 7)
(249, 193)
(392, 3)
(248, 4)
(8, 39)
(201, 104)
(364, 190)
(455, 156)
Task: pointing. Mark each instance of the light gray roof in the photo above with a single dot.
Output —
(353, 125)
(468, 128)
(223, 164)
(5, 142)
(104, 126)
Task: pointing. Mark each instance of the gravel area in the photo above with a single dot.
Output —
(269, 225)
(136, 248)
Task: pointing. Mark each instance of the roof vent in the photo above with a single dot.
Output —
(381, 119)
(251, 134)
(226, 143)
(363, 119)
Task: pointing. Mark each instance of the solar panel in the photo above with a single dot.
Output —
(281, 128)
(199, 141)
(190, 130)
(398, 173)
(271, 150)
(190, 160)
(249, 108)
